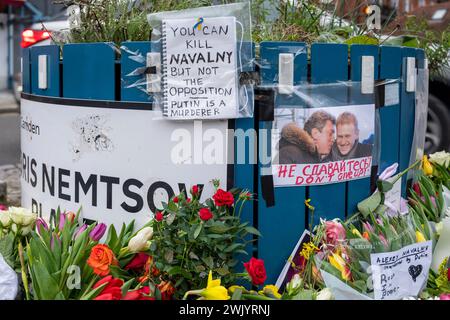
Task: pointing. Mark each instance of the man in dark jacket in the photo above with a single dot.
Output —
(347, 144)
(309, 145)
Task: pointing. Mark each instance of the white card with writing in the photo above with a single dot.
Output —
(394, 195)
(200, 68)
(401, 273)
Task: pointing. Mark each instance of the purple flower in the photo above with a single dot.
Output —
(40, 223)
(52, 240)
(97, 233)
(62, 220)
(80, 231)
(3, 207)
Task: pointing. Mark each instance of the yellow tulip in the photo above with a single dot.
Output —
(420, 237)
(339, 263)
(213, 290)
(356, 233)
(427, 167)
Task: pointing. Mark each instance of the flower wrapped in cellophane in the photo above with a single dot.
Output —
(382, 257)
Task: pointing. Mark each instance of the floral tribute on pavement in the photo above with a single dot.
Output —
(192, 249)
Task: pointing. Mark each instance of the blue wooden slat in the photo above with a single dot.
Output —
(269, 51)
(407, 116)
(390, 68)
(53, 72)
(420, 55)
(244, 171)
(89, 71)
(134, 57)
(360, 189)
(283, 224)
(329, 63)
(26, 70)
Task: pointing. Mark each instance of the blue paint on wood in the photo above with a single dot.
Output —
(89, 71)
(133, 81)
(390, 68)
(53, 72)
(269, 53)
(358, 190)
(282, 224)
(329, 64)
(26, 70)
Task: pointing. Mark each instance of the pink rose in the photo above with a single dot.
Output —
(334, 232)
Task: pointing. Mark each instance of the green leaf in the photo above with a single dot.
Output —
(384, 186)
(370, 204)
(126, 286)
(198, 230)
(364, 39)
(177, 270)
(253, 230)
(234, 247)
(112, 240)
(209, 261)
(7, 249)
(93, 293)
(48, 287)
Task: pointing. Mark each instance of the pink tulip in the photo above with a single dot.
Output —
(97, 233)
(388, 172)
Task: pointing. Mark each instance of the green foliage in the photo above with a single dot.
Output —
(185, 247)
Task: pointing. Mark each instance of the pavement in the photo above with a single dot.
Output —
(9, 148)
(8, 103)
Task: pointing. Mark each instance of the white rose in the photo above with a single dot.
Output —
(141, 241)
(325, 294)
(442, 158)
(21, 216)
(5, 219)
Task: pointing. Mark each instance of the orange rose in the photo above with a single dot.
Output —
(100, 259)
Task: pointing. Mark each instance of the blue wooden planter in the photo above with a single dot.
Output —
(94, 71)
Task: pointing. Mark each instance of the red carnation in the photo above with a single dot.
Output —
(223, 198)
(194, 190)
(205, 214)
(256, 270)
(159, 216)
(175, 200)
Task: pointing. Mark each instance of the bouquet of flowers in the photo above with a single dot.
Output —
(192, 238)
(356, 259)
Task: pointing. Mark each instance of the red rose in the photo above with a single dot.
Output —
(138, 262)
(416, 189)
(205, 214)
(194, 190)
(175, 200)
(223, 198)
(188, 200)
(112, 291)
(140, 294)
(256, 270)
(159, 216)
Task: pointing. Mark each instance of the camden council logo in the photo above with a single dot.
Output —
(27, 124)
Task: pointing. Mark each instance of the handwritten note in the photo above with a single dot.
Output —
(401, 273)
(200, 68)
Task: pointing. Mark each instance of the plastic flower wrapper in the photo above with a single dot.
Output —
(439, 280)
(350, 254)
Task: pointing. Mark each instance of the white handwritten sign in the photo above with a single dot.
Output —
(200, 68)
(401, 273)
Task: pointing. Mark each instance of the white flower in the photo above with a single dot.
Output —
(5, 219)
(441, 158)
(141, 241)
(325, 294)
(21, 216)
(439, 226)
